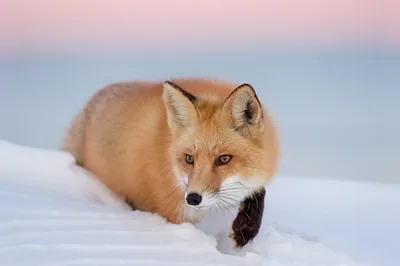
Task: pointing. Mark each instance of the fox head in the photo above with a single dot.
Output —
(223, 149)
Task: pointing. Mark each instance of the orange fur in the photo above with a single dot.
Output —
(134, 136)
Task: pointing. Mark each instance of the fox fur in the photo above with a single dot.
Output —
(137, 136)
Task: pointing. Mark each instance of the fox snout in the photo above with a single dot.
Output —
(199, 198)
(194, 198)
(199, 191)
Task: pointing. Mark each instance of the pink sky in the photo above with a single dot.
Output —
(109, 25)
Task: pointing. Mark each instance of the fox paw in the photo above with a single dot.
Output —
(247, 223)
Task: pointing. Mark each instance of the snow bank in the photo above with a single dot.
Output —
(55, 213)
(361, 219)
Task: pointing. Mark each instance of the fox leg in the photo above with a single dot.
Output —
(247, 223)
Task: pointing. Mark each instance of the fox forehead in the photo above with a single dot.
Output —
(211, 130)
(210, 139)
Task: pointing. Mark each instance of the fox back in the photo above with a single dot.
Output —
(177, 148)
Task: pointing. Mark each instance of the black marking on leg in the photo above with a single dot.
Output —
(247, 223)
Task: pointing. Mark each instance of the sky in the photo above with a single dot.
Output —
(77, 26)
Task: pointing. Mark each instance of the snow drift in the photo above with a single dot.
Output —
(55, 213)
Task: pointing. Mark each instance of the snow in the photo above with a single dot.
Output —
(55, 213)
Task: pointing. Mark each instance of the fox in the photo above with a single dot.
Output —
(181, 148)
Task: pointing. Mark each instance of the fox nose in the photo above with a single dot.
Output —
(193, 199)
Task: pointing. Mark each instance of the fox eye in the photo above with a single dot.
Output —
(224, 159)
(189, 159)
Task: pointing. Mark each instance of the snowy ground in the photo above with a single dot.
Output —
(54, 213)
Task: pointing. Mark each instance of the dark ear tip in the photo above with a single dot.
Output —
(167, 82)
(191, 97)
(246, 85)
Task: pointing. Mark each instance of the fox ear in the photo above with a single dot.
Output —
(180, 104)
(244, 110)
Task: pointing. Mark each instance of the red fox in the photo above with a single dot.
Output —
(180, 148)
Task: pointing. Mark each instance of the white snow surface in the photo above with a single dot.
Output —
(55, 213)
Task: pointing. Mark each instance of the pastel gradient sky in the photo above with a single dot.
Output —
(175, 25)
